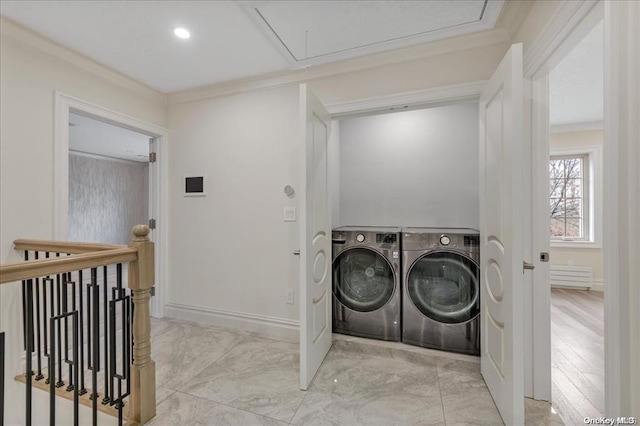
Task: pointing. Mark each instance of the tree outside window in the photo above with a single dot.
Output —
(568, 197)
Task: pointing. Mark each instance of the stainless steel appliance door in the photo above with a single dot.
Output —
(363, 280)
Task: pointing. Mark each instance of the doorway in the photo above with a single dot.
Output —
(576, 110)
(68, 107)
(108, 181)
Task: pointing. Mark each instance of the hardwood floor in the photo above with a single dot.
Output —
(577, 354)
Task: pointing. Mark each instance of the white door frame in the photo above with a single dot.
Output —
(63, 105)
(558, 39)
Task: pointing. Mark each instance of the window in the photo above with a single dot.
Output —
(569, 195)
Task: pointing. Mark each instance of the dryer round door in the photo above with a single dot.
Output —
(363, 280)
(445, 287)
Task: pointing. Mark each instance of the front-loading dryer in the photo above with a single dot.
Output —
(441, 289)
(366, 282)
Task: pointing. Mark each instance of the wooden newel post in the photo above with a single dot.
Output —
(142, 402)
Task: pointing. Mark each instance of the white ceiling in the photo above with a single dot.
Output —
(237, 39)
(97, 137)
(576, 85)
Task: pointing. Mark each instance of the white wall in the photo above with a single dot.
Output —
(29, 76)
(333, 164)
(581, 256)
(230, 252)
(413, 168)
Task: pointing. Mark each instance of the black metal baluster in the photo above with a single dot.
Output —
(1, 378)
(47, 350)
(29, 357)
(24, 306)
(72, 365)
(60, 382)
(82, 389)
(65, 339)
(76, 376)
(39, 376)
(95, 343)
(107, 395)
(52, 370)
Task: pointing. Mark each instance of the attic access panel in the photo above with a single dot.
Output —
(314, 32)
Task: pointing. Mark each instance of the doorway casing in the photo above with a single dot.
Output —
(63, 105)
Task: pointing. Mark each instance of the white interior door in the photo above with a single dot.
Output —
(315, 238)
(501, 230)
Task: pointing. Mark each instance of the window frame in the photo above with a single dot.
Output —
(592, 197)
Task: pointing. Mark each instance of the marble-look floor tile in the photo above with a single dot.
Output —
(163, 393)
(372, 385)
(471, 406)
(540, 413)
(184, 349)
(257, 375)
(454, 374)
(183, 409)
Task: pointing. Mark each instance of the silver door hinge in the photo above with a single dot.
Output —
(153, 157)
(153, 291)
(152, 224)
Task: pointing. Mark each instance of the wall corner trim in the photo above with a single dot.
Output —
(280, 328)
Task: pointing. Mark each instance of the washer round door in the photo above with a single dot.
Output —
(363, 280)
(445, 287)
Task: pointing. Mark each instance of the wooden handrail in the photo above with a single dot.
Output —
(63, 246)
(39, 268)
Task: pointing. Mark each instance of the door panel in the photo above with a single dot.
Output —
(501, 230)
(315, 242)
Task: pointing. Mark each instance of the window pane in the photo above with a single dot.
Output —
(573, 207)
(574, 227)
(556, 169)
(574, 188)
(573, 167)
(556, 207)
(557, 227)
(556, 188)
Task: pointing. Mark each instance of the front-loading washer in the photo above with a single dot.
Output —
(441, 289)
(366, 282)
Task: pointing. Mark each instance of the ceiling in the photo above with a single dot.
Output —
(91, 136)
(231, 40)
(576, 85)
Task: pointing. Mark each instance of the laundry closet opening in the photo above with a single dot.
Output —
(405, 217)
(416, 168)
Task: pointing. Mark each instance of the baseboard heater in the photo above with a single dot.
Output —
(578, 277)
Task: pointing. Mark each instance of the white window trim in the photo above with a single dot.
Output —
(595, 197)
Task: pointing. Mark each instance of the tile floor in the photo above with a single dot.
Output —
(215, 376)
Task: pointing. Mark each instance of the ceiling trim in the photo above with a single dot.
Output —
(576, 127)
(488, 21)
(420, 98)
(562, 26)
(23, 34)
(272, 80)
(106, 157)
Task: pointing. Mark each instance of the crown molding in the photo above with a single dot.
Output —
(570, 15)
(268, 81)
(439, 96)
(576, 127)
(12, 29)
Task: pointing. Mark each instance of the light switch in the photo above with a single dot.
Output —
(289, 214)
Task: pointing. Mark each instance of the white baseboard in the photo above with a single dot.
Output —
(281, 328)
(598, 285)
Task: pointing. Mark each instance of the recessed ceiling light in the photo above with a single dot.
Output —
(181, 33)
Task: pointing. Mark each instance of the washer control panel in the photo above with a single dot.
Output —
(445, 240)
(360, 238)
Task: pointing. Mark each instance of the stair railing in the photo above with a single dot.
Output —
(84, 328)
